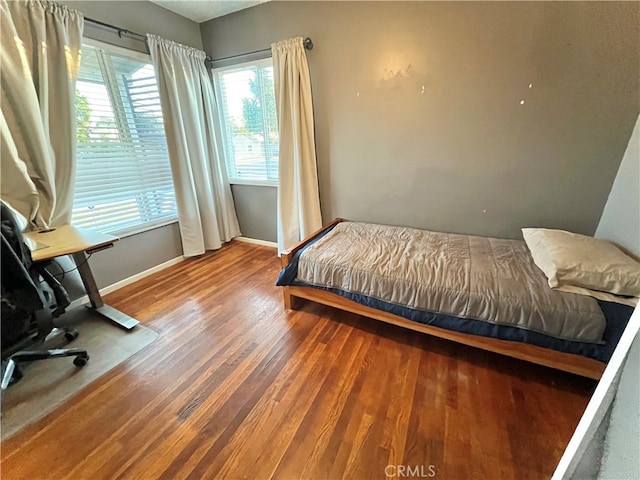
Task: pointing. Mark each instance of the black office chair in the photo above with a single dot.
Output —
(31, 299)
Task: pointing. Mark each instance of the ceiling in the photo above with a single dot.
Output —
(203, 10)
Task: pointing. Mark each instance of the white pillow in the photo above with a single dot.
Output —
(570, 260)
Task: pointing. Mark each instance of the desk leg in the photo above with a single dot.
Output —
(110, 313)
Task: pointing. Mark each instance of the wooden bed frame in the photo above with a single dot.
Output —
(567, 362)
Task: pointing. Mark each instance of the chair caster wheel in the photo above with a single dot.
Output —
(81, 361)
(71, 335)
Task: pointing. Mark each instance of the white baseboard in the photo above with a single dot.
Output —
(127, 281)
(255, 241)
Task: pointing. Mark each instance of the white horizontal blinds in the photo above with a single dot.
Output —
(248, 121)
(123, 175)
(272, 145)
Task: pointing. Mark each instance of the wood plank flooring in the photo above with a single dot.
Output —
(237, 387)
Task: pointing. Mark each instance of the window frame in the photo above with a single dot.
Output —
(220, 117)
(146, 58)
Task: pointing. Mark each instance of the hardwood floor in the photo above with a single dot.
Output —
(237, 387)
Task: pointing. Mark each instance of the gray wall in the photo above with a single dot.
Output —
(143, 251)
(256, 210)
(620, 220)
(465, 155)
(129, 256)
(141, 17)
(135, 254)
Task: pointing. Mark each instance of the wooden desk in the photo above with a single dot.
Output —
(79, 243)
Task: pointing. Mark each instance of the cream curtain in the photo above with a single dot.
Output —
(39, 63)
(203, 195)
(298, 195)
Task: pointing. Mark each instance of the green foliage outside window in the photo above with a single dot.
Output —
(252, 107)
(83, 118)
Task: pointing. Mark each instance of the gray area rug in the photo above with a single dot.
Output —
(47, 384)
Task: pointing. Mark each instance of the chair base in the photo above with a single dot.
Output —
(11, 372)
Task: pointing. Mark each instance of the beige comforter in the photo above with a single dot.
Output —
(488, 279)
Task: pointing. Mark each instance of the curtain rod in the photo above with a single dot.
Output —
(119, 30)
(307, 43)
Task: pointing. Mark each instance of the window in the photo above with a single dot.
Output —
(123, 175)
(249, 126)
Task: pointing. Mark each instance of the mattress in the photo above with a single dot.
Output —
(487, 280)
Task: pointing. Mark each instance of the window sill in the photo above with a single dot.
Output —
(254, 183)
(146, 228)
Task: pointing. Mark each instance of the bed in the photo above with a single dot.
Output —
(482, 292)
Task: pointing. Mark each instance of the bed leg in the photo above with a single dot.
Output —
(289, 300)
